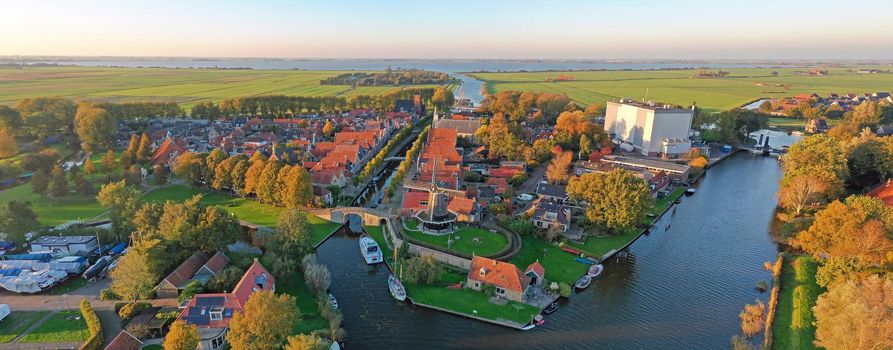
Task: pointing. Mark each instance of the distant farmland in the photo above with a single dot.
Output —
(679, 87)
(184, 86)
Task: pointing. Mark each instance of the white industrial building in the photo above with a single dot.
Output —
(653, 130)
(64, 244)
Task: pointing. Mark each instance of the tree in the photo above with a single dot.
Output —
(40, 182)
(317, 276)
(10, 119)
(265, 324)
(501, 140)
(46, 116)
(617, 199)
(95, 127)
(557, 170)
(867, 114)
(253, 175)
(182, 336)
(144, 151)
(856, 315)
(108, 162)
(225, 280)
(840, 269)
(60, 182)
(16, 219)
(8, 147)
(765, 107)
(292, 238)
(134, 277)
(190, 167)
(206, 109)
(217, 229)
(306, 342)
(857, 227)
(752, 318)
(160, 173)
(801, 191)
(423, 270)
(134, 176)
(699, 162)
(298, 187)
(121, 201)
(89, 166)
(82, 185)
(819, 156)
(442, 99)
(266, 184)
(328, 129)
(193, 288)
(595, 110)
(868, 161)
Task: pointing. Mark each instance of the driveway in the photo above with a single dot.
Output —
(533, 179)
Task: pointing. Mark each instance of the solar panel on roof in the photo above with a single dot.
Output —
(198, 320)
(209, 301)
(228, 313)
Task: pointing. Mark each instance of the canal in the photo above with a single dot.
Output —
(681, 286)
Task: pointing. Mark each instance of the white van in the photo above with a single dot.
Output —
(4, 311)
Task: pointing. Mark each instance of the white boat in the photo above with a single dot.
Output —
(397, 290)
(595, 270)
(583, 282)
(370, 250)
(690, 191)
(333, 301)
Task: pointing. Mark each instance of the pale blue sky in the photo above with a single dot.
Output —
(450, 29)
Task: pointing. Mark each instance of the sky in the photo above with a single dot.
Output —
(495, 29)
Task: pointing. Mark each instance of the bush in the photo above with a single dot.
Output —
(225, 280)
(564, 290)
(108, 294)
(190, 291)
(488, 289)
(130, 310)
(93, 326)
(167, 315)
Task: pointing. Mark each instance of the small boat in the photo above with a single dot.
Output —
(584, 260)
(690, 191)
(397, 290)
(551, 308)
(539, 320)
(595, 270)
(583, 282)
(370, 250)
(572, 251)
(333, 301)
(528, 327)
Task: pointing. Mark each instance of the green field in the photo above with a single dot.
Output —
(786, 333)
(54, 211)
(18, 322)
(65, 326)
(245, 209)
(678, 86)
(490, 243)
(310, 319)
(184, 86)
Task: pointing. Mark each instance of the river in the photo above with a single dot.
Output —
(681, 286)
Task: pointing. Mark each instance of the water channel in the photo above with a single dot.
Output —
(680, 287)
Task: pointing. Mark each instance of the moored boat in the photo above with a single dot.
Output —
(333, 301)
(397, 290)
(690, 191)
(370, 250)
(551, 308)
(595, 270)
(583, 282)
(584, 260)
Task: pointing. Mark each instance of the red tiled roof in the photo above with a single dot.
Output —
(217, 262)
(504, 172)
(498, 273)
(365, 139)
(124, 341)
(186, 270)
(538, 269)
(326, 176)
(884, 193)
(461, 205)
(167, 150)
(412, 201)
(256, 278)
(501, 184)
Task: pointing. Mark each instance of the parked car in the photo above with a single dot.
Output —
(526, 197)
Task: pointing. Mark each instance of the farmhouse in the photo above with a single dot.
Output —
(464, 128)
(509, 282)
(177, 280)
(548, 215)
(211, 313)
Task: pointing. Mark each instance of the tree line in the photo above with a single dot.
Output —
(396, 77)
(283, 105)
(270, 181)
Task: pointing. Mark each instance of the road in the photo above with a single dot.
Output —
(533, 179)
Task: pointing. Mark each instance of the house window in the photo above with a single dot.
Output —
(500, 291)
(216, 314)
(423, 202)
(477, 284)
(218, 342)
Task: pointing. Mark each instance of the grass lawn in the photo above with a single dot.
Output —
(490, 242)
(678, 87)
(72, 284)
(153, 347)
(18, 322)
(310, 318)
(468, 301)
(560, 265)
(65, 326)
(245, 209)
(788, 333)
(54, 211)
(184, 86)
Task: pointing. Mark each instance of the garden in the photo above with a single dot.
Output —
(466, 240)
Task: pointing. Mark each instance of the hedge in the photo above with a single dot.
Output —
(93, 325)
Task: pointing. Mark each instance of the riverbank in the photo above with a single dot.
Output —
(792, 326)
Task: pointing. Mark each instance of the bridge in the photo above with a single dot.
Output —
(372, 217)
